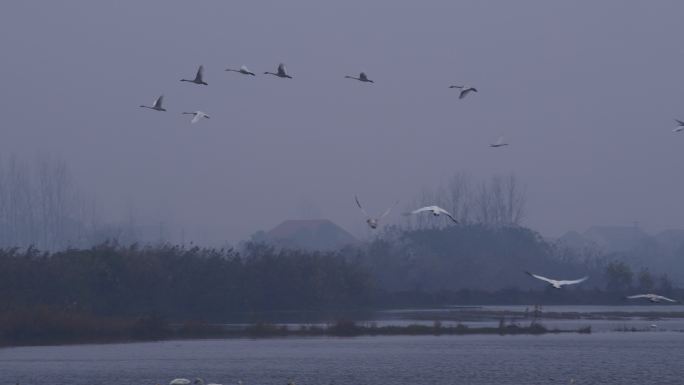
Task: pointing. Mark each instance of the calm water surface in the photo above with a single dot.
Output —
(601, 358)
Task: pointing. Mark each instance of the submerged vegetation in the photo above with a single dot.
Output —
(353, 329)
(44, 326)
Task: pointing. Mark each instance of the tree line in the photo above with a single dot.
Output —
(178, 282)
(459, 263)
(119, 292)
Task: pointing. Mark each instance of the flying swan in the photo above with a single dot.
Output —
(655, 298)
(282, 72)
(157, 105)
(499, 143)
(199, 77)
(243, 70)
(373, 222)
(557, 284)
(197, 116)
(362, 78)
(465, 90)
(435, 210)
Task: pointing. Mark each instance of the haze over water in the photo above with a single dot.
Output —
(585, 93)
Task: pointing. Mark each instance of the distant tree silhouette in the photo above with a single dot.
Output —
(618, 276)
(499, 201)
(645, 280)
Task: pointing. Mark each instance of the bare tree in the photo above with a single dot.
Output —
(57, 203)
(459, 196)
(516, 201)
(41, 205)
(483, 206)
(499, 201)
(20, 213)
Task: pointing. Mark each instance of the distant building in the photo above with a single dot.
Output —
(310, 234)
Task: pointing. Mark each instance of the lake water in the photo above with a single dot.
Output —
(601, 358)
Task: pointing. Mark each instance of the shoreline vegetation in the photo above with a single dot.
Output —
(45, 326)
(38, 330)
(113, 293)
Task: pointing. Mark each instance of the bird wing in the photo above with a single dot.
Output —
(244, 68)
(158, 102)
(359, 204)
(420, 210)
(679, 122)
(573, 282)
(363, 76)
(281, 69)
(636, 296)
(200, 73)
(549, 280)
(386, 213)
(455, 86)
(442, 211)
(180, 381)
(665, 298)
(196, 118)
(450, 216)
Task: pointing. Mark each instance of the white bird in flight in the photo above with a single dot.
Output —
(362, 78)
(180, 381)
(243, 70)
(465, 90)
(199, 77)
(557, 284)
(373, 222)
(197, 116)
(157, 105)
(499, 143)
(435, 210)
(655, 298)
(282, 72)
(680, 126)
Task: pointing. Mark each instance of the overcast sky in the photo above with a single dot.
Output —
(584, 91)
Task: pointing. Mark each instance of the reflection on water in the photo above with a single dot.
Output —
(602, 358)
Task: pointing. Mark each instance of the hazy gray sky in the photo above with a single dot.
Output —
(585, 92)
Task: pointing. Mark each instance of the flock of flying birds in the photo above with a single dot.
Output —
(281, 72)
(374, 221)
(557, 284)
